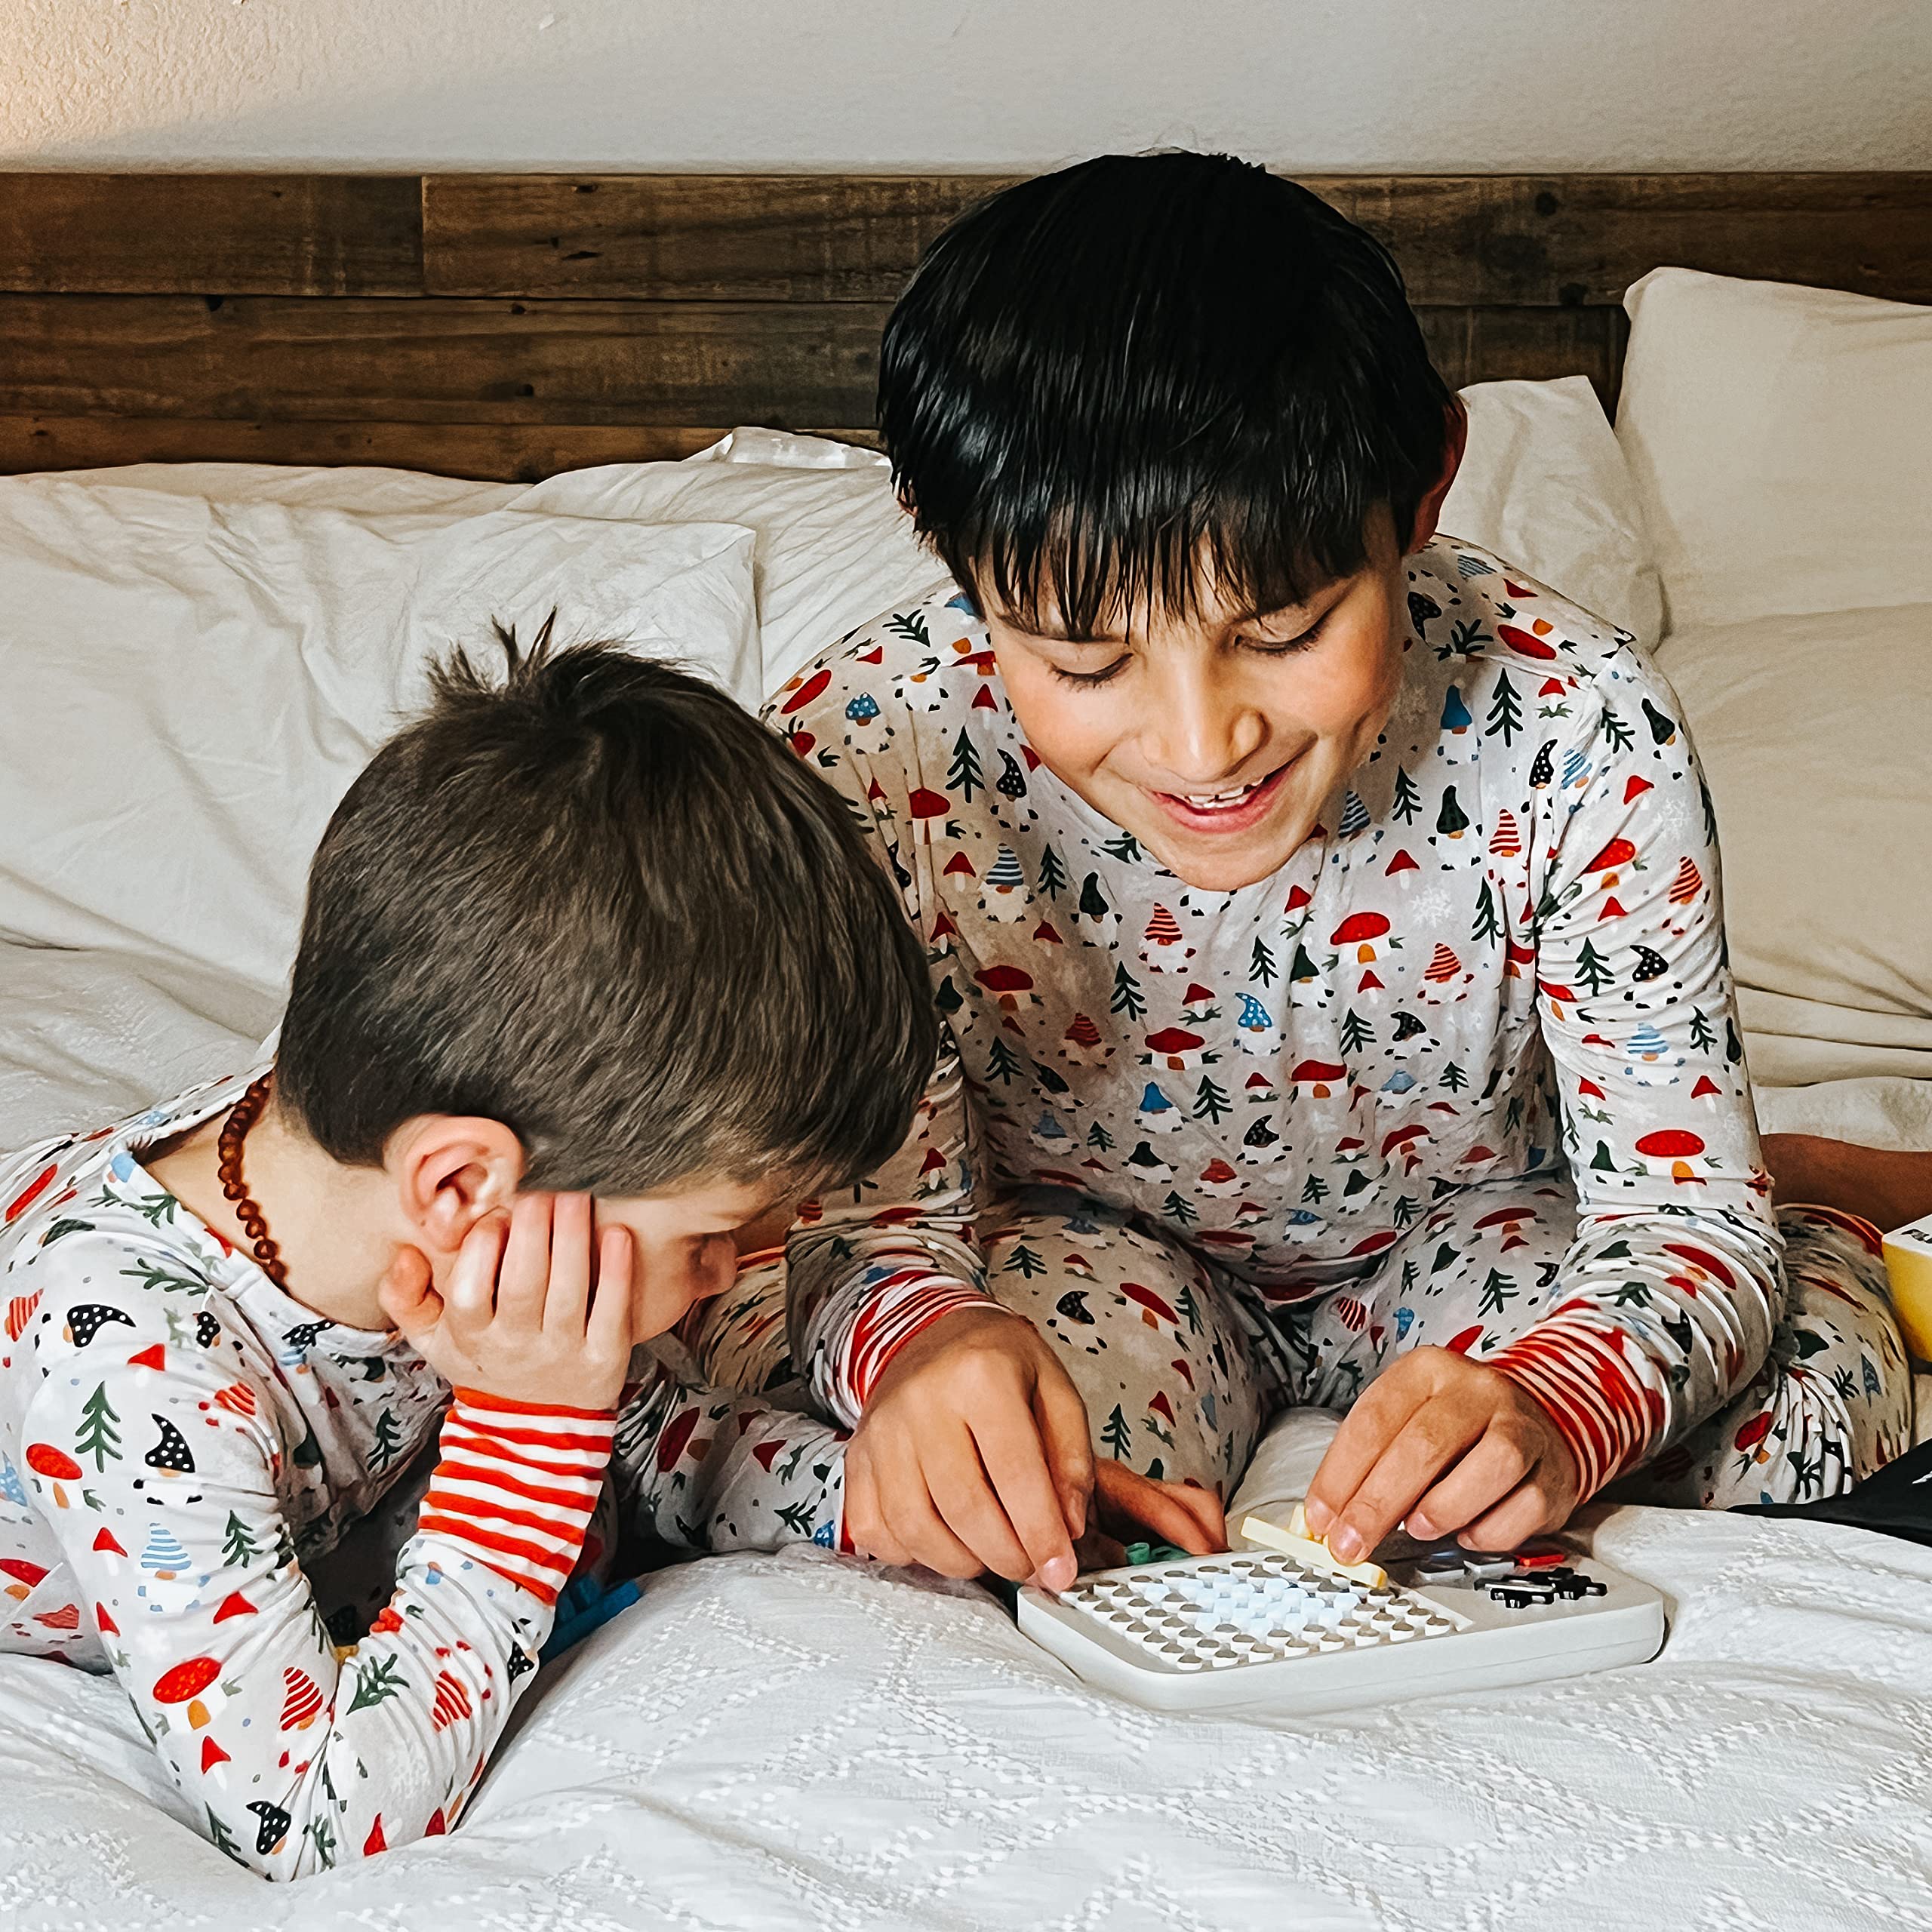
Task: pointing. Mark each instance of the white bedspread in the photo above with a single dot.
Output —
(791, 1741)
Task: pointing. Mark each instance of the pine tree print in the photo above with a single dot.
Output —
(1053, 874)
(911, 625)
(238, 1546)
(1593, 971)
(1116, 1438)
(1001, 1061)
(99, 1437)
(964, 775)
(1620, 734)
(388, 1440)
(1408, 796)
(1454, 1078)
(1496, 1290)
(1211, 1102)
(1356, 1032)
(1261, 964)
(1505, 710)
(1314, 1189)
(1188, 1309)
(1488, 927)
(1703, 1035)
(1025, 1262)
(1178, 1208)
(1126, 995)
(1126, 847)
(223, 1839)
(1099, 1139)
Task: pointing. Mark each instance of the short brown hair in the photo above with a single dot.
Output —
(596, 901)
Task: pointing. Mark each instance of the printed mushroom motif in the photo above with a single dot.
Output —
(1008, 984)
(1677, 1146)
(928, 811)
(1318, 1076)
(1361, 930)
(1176, 1045)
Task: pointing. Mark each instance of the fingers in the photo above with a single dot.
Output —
(470, 1294)
(573, 1246)
(1478, 1482)
(1366, 1430)
(406, 1297)
(1061, 1418)
(1132, 1501)
(1430, 1439)
(1031, 1510)
(969, 1507)
(524, 1271)
(1524, 1513)
(607, 1331)
(912, 1520)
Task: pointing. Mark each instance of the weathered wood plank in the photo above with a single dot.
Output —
(1531, 344)
(662, 365)
(721, 237)
(212, 234)
(496, 452)
(1462, 240)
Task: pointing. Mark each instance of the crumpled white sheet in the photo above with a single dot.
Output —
(791, 1742)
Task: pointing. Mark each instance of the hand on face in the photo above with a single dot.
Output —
(1445, 1447)
(536, 1307)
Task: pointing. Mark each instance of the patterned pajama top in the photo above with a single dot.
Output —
(1500, 954)
(181, 1444)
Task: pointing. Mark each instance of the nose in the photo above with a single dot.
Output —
(1204, 726)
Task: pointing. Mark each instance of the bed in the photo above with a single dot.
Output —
(278, 437)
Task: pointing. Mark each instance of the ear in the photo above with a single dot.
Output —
(1456, 420)
(450, 1171)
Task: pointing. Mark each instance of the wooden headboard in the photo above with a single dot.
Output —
(510, 325)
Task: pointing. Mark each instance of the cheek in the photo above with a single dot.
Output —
(1354, 692)
(1073, 730)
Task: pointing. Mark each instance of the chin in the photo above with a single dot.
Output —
(1225, 871)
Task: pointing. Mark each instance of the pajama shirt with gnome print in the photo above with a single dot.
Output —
(180, 1440)
(1466, 1072)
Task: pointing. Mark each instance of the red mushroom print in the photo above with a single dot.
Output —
(1298, 897)
(1402, 863)
(1676, 1145)
(1618, 852)
(1009, 984)
(1519, 961)
(806, 692)
(1361, 930)
(958, 866)
(1318, 1076)
(28, 1195)
(1218, 1178)
(1044, 935)
(1705, 1089)
(25, 1575)
(54, 1464)
(1524, 642)
(1374, 1244)
(1752, 1434)
(1460, 1345)
(1551, 687)
(928, 811)
(184, 1684)
(1154, 1311)
(1177, 1046)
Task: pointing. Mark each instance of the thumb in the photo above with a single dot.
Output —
(1062, 1416)
(406, 1297)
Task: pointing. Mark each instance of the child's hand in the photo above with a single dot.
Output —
(973, 1454)
(1130, 1507)
(1446, 1448)
(516, 1318)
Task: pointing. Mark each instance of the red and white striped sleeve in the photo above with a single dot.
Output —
(517, 1483)
(1598, 1401)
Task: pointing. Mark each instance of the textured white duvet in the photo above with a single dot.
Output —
(790, 1742)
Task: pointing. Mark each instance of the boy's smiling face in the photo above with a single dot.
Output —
(1217, 739)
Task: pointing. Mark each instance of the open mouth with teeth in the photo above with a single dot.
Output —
(1233, 809)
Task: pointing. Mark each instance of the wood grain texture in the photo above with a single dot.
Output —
(1462, 240)
(491, 452)
(670, 238)
(508, 326)
(211, 234)
(660, 365)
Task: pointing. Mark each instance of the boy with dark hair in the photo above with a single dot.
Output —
(1325, 920)
(592, 973)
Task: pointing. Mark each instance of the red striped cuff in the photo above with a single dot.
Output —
(894, 1310)
(516, 1484)
(1601, 1410)
(1856, 1225)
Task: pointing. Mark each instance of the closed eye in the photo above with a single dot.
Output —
(1266, 647)
(1105, 674)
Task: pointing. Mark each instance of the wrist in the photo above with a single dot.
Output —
(904, 1307)
(1580, 1381)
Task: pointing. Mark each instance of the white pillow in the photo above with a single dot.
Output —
(833, 549)
(1545, 486)
(190, 687)
(1781, 440)
(1814, 730)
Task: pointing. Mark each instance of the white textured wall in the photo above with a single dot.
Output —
(1417, 85)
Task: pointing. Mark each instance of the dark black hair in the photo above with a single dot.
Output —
(596, 901)
(1098, 379)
